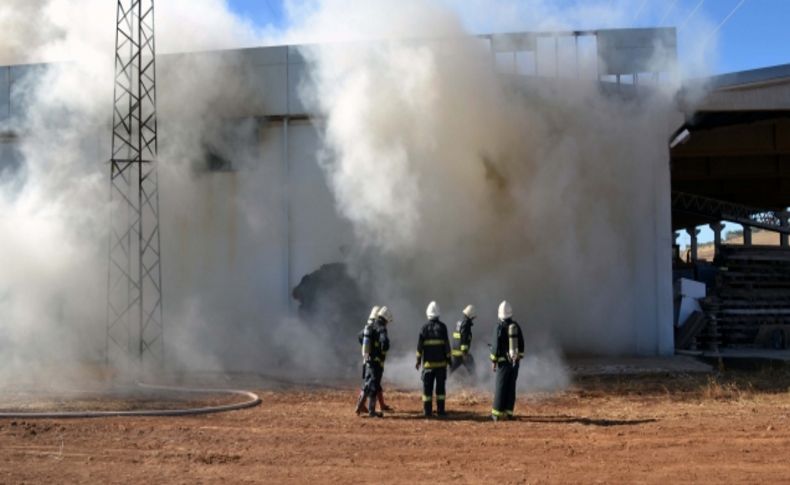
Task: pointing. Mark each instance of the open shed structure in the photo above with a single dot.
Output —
(731, 163)
(738, 149)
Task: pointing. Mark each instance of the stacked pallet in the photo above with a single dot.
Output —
(751, 298)
(692, 336)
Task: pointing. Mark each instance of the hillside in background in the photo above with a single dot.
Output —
(759, 238)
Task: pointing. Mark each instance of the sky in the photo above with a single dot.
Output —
(755, 35)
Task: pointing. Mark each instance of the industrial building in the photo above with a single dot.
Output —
(733, 146)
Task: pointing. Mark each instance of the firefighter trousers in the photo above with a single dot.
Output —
(467, 361)
(371, 383)
(505, 392)
(429, 378)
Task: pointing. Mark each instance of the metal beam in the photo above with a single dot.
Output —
(719, 210)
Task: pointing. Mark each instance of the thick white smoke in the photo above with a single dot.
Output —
(53, 202)
(467, 186)
(460, 185)
(50, 221)
(21, 35)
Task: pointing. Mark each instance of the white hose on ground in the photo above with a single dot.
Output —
(252, 400)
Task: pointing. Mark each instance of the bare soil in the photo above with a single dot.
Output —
(728, 428)
(109, 400)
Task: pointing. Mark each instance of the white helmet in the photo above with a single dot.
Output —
(505, 311)
(385, 314)
(470, 312)
(374, 312)
(432, 311)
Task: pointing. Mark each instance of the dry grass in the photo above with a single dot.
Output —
(467, 398)
(716, 389)
(728, 385)
(706, 251)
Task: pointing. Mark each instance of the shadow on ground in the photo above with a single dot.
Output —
(585, 421)
(560, 419)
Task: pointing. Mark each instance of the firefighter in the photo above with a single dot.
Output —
(383, 318)
(462, 341)
(361, 406)
(373, 342)
(506, 353)
(433, 353)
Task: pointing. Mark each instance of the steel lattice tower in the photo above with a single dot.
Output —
(134, 284)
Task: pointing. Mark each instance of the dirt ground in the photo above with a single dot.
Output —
(729, 428)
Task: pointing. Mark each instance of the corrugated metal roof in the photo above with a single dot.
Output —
(764, 75)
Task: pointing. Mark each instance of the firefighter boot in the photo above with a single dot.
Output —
(440, 408)
(372, 407)
(382, 405)
(361, 408)
(426, 409)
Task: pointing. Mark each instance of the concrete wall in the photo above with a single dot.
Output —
(12, 93)
(5, 93)
(237, 243)
(240, 240)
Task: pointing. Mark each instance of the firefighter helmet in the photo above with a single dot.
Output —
(470, 312)
(432, 311)
(505, 311)
(374, 312)
(385, 314)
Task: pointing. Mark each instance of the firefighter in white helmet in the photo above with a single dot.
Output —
(433, 353)
(383, 319)
(506, 353)
(375, 344)
(362, 406)
(462, 342)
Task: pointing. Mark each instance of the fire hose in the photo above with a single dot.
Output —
(252, 400)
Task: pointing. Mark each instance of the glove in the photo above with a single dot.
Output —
(417, 365)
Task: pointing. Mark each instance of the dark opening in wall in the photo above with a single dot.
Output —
(216, 162)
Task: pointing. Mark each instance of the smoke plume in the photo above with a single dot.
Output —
(464, 185)
(457, 183)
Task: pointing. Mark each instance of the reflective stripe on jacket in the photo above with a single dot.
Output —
(433, 346)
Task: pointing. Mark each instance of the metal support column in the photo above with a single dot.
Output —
(693, 232)
(135, 329)
(747, 236)
(716, 227)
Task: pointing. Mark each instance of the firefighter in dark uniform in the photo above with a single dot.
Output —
(383, 318)
(506, 353)
(379, 316)
(374, 344)
(462, 342)
(433, 354)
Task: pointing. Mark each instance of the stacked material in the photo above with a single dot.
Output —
(751, 303)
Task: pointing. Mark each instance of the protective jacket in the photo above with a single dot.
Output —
(384, 340)
(508, 336)
(433, 346)
(375, 342)
(462, 337)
